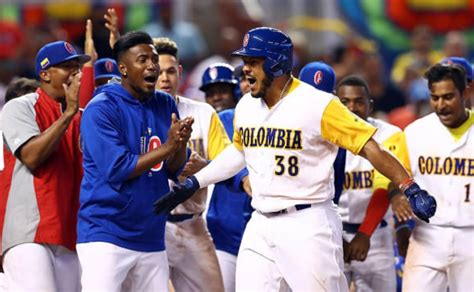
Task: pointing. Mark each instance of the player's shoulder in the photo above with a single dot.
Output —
(384, 126)
(422, 124)
(194, 106)
(25, 101)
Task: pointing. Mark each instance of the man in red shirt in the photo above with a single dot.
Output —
(39, 189)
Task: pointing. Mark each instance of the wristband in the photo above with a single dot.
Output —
(406, 184)
(393, 193)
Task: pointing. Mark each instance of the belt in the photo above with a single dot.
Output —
(181, 217)
(287, 210)
(353, 228)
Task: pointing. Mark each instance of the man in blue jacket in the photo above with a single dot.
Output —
(132, 144)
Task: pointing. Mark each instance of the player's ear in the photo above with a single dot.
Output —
(371, 106)
(122, 69)
(44, 76)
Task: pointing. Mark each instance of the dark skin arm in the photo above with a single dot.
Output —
(38, 149)
(178, 136)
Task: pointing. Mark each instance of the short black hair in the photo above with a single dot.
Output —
(454, 72)
(354, 80)
(19, 87)
(129, 40)
(166, 46)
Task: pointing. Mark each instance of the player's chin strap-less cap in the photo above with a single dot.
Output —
(57, 52)
(106, 68)
(461, 62)
(271, 44)
(319, 75)
(218, 73)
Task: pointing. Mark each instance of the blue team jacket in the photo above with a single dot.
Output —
(230, 208)
(115, 129)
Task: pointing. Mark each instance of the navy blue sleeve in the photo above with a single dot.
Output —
(339, 175)
(101, 133)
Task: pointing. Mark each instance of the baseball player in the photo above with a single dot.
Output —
(191, 253)
(104, 70)
(132, 144)
(229, 207)
(281, 132)
(321, 76)
(376, 272)
(438, 149)
(469, 77)
(39, 187)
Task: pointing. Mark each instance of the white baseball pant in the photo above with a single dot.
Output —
(110, 268)
(41, 267)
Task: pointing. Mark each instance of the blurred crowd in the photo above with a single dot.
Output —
(399, 92)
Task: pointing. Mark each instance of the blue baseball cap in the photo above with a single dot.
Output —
(106, 68)
(218, 73)
(462, 62)
(57, 52)
(319, 75)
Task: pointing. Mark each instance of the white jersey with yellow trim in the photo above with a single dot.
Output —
(443, 164)
(292, 140)
(359, 174)
(208, 139)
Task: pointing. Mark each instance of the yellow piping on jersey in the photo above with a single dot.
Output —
(458, 132)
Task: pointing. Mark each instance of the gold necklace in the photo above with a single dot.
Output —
(283, 91)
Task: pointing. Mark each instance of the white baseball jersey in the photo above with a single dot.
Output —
(440, 253)
(359, 174)
(286, 147)
(208, 139)
(442, 162)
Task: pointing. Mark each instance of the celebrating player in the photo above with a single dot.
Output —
(376, 272)
(439, 153)
(132, 143)
(191, 253)
(40, 183)
(286, 132)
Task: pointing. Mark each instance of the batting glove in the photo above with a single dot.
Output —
(422, 203)
(180, 193)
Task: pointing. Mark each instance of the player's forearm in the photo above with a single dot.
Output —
(177, 160)
(148, 160)
(384, 162)
(34, 152)
(227, 164)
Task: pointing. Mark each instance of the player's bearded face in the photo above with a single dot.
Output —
(263, 88)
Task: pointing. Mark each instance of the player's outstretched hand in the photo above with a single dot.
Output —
(422, 203)
(180, 193)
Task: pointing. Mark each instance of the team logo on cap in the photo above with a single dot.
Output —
(318, 77)
(44, 63)
(213, 73)
(109, 66)
(246, 40)
(69, 48)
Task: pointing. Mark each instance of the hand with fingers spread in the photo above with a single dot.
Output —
(111, 23)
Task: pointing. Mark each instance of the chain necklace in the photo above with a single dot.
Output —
(283, 91)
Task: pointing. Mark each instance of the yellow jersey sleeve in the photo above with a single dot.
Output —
(396, 144)
(341, 127)
(237, 140)
(218, 139)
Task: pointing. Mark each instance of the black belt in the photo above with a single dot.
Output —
(354, 228)
(181, 217)
(288, 210)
